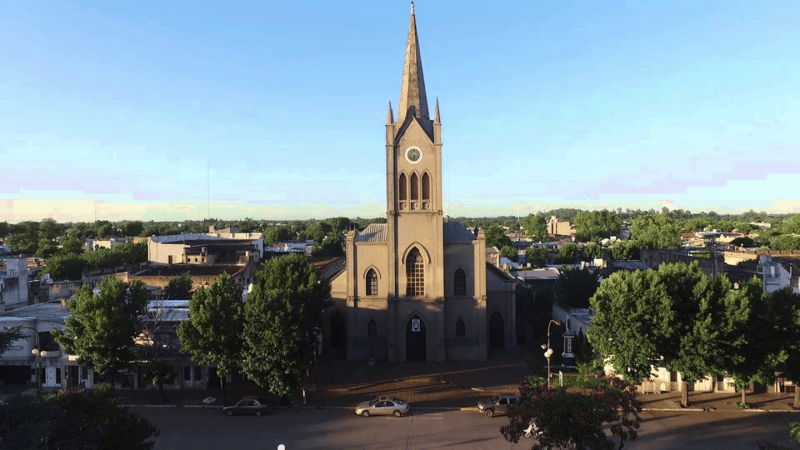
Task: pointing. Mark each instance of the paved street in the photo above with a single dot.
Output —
(184, 428)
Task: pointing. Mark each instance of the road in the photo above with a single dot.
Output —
(185, 428)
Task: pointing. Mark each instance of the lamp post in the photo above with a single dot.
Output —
(38, 353)
(549, 351)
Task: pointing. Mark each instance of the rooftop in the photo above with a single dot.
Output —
(52, 312)
(193, 269)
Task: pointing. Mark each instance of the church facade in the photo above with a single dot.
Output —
(417, 288)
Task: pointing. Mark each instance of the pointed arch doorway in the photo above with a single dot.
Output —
(415, 340)
(338, 334)
(497, 331)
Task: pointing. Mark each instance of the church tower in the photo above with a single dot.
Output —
(414, 185)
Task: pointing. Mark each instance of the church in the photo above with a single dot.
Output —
(417, 288)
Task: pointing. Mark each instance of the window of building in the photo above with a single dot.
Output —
(461, 330)
(198, 373)
(372, 283)
(414, 187)
(426, 187)
(772, 271)
(187, 374)
(415, 274)
(403, 188)
(460, 283)
(372, 329)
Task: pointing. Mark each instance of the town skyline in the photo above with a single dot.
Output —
(168, 114)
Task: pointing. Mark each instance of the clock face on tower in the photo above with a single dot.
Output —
(413, 155)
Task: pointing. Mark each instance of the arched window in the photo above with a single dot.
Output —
(460, 329)
(460, 283)
(372, 282)
(372, 329)
(415, 274)
(426, 187)
(403, 187)
(414, 187)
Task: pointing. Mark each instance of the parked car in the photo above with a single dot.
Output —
(497, 405)
(248, 405)
(383, 405)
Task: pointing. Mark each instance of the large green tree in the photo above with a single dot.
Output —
(596, 225)
(567, 253)
(283, 315)
(213, 333)
(89, 420)
(102, 327)
(657, 231)
(591, 252)
(785, 242)
(575, 420)
(643, 316)
(535, 227)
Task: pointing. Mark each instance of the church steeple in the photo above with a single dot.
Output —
(412, 91)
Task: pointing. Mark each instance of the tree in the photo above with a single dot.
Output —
(535, 227)
(46, 248)
(23, 243)
(283, 315)
(625, 251)
(656, 231)
(747, 334)
(567, 253)
(330, 245)
(4, 229)
(577, 286)
(180, 288)
(155, 343)
(9, 335)
(509, 252)
(785, 242)
(133, 228)
(743, 242)
(787, 329)
(65, 267)
(71, 245)
(591, 252)
(496, 237)
(791, 225)
(644, 316)
(273, 235)
(102, 327)
(86, 420)
(213, 333)
(596, 225)
(575, 420)
(537, 256)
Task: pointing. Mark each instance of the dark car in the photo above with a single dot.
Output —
(497, 405)
(248, 405)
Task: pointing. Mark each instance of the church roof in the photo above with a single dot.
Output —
(456, 232)
(375, 232)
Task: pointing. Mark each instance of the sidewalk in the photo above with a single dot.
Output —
(719, 401)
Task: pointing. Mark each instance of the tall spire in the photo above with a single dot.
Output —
(390, 116)
(412, 91)
(436, 113)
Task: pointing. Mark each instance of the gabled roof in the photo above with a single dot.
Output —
(497, 271)
(375, 232)
(456, 232)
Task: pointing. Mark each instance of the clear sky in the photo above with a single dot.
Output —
(124, 108)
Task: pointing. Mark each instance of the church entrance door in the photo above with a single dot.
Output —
(496, 331)
(415, 340)
(338, 334)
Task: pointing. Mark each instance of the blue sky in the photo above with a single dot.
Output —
(123, 108)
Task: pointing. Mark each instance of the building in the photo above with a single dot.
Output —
(778, 273)
(13, 283)
(205, 249)
(109, 243)
(417, 288)
(556, 228)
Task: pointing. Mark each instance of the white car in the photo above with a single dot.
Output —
(383, 405)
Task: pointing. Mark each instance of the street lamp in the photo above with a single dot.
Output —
(37, 353)
(549, 351)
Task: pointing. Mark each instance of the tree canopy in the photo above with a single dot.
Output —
(575, 420)
(535, 227)
(496, 237)
(102, 327)
(536, 255)
(180, 288)
(577, 286)
(213, 333)
(596, 225)
(657, 231)
(283, 315)
(8, 336)
(88, 420)
(567, 253)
